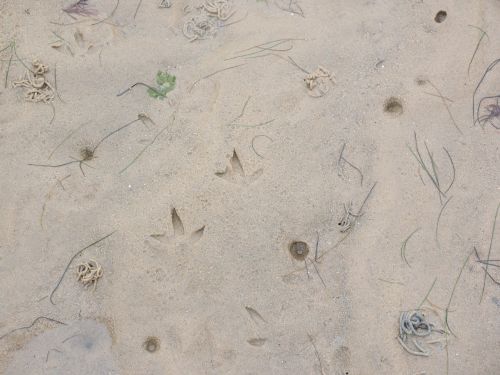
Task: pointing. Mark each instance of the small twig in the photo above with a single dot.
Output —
(338, 243)
(348, 219)
(420, 175)
(53, 165)
(438, 96)
(297, 65)
(148, 145)
(317, 353)
(317, 245)
(51, 350)
(234, 22)
(53, 112)
(452, 293)
(114, 132)
(60, 181)
(212, 74)
(475, 113)
(453, 168)
(19, 59)
(137, 9)
(491, 264)
(6, 48)
(447, 355)
(48, 196)
(434, 169)
(446, 106)
(8, 66)
(232, 122)
(428, 294)
(411, 351)
(71, 260)
(82, 162)
(63, 41)
(31, 325)
(242, 112)
(60, 37)
(271, 48)
(418, 157)
(403, 246)
(55, 84)
(366, 199)
(253, 140)
(418, 346)
(268, 46)
(70, 337)
(307, 269)
(100, 56)
(110, 15)
(319, 275)
(437, 222)
(489, 252)
(141, 84)
(391, 282)
(255, 125)
(70, 23)
(342, 158)
(489, 275)
(263, 45)
(356, 169)
(66, 138)
(477, 47)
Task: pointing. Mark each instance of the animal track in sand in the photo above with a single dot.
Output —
(84, 39)
(180, 235)
(236, 174)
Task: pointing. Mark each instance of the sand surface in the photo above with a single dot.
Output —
(250, 162)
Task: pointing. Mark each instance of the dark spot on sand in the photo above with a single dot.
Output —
(393, 106)
(152, 344)
(299, 250)
(440, 16)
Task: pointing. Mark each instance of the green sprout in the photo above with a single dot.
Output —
(166, 83)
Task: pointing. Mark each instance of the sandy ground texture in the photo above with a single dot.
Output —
(288, 121)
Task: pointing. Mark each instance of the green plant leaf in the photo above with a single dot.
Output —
(166, 83)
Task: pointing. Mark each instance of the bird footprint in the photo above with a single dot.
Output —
(179, 235)
(235, 173)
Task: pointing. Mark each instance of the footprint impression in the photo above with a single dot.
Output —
(84, 39)
(180, 237)
(235, 173)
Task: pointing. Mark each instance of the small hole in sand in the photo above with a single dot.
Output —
(299, 250)
(440, 16)
(421, 80)
(152, 344)
(393, 106)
